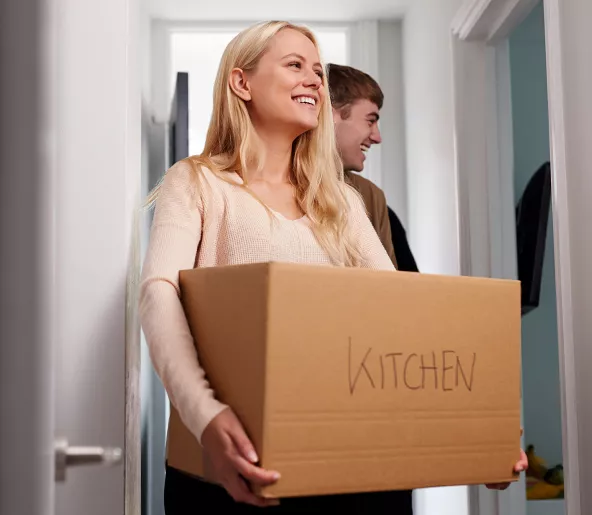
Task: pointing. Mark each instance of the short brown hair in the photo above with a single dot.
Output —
(347, 84)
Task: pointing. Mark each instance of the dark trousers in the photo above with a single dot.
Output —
(186, 495)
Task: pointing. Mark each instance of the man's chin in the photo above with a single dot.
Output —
(358, 168)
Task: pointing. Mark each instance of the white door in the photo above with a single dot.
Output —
(70, 172)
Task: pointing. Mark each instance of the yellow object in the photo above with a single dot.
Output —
(544, 490)
(537, 467)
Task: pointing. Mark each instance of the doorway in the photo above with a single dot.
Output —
(540, 345)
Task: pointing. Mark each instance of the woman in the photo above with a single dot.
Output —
(268, 186)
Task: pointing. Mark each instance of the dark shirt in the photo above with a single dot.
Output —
(405, 260)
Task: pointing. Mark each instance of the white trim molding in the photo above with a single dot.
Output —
(484, 166)
(490, 20)
(569, 78)
(478, 27)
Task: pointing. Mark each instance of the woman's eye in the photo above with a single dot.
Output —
(296, 64)
(320, 74)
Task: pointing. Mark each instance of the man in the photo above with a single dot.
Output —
(357, 99)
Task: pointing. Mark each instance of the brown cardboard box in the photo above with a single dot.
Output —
(351, 380)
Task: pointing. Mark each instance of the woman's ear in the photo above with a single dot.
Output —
(239, 84)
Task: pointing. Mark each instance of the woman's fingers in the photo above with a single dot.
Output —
(246, 457)
(240, 492)
(522, 463)
(242, 443)
(234, 459)
(254, 474)
(498, 486)
(520, 466)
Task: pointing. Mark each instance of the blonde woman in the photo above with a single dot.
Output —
(267, 187)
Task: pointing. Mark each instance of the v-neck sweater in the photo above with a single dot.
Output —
(219, 223)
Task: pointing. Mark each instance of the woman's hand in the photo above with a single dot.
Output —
(234, 459)
(520, 466)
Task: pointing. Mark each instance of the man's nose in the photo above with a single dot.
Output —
(375, 135)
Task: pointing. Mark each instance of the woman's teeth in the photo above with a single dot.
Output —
(306, 100)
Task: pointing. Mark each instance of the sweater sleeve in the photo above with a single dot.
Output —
(174, 239)
(373, 252)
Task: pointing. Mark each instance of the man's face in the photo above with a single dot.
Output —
(356, 133)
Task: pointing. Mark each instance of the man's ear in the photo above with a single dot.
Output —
(239, 84)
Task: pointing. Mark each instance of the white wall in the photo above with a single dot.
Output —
(431, 181)
(393, 161)
(431, 178)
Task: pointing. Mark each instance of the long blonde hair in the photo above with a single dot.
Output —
(316, 166)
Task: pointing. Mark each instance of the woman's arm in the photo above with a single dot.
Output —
(174, 239)
(373, 253)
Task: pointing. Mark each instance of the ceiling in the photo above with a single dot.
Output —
(256, 10)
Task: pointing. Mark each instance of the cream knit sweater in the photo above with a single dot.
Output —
(221, 224)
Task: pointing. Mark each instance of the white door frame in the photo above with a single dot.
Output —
(96, 117)
(569, 79)
(483, 133)
(70, 161)
(483, 141)
(484, 160)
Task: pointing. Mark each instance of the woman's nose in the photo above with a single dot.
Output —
(313, 80)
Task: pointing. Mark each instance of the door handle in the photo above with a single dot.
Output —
(66, 456)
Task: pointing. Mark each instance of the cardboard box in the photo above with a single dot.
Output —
(352, 380)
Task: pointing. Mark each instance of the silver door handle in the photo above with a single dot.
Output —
(66, 456)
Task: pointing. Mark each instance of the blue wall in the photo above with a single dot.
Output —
(542, 410)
